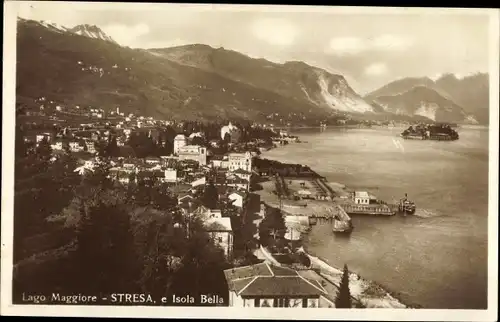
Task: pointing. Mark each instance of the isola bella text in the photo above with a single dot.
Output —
(120, 298)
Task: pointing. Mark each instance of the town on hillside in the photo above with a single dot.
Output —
(165, 210)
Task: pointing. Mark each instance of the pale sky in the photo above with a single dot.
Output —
(368, 49)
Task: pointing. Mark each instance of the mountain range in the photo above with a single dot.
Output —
(446, 98)
(84, 66)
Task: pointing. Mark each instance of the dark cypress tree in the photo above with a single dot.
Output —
(112, 149)
(210, 196)
(43, 150)
(21, 148)
(343, 299)
(105, 251)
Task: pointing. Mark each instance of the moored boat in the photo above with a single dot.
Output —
(341, 221)
(342, 226)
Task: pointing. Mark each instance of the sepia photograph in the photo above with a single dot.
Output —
(211, 160)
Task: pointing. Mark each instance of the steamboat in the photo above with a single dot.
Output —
(406, 206)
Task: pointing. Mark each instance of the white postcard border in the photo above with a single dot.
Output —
(9, 70)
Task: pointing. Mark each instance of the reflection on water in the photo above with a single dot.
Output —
(437, 258)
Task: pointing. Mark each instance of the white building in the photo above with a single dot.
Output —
(240, 161)
(40, 137)
(199, 182)
(193, 152)
(196, 135)
(233, 131)
(220, 230)
(57, 145)
(75, 146)
(152, 160)
(266, 286)
(170, 175)
(90, 146)
(218, 162)
(361, 197)
(243, 174)
(179, 142)
(238, 199)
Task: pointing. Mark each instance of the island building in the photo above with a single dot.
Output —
(179, 142)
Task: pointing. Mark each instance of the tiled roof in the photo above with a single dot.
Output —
(276, 286)
(361, 194)
(185, 195)
(241, 171)
(239, 193)
(268, 280)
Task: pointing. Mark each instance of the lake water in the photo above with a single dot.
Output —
(438, 258)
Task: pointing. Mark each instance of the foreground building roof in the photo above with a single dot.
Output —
(269, 280)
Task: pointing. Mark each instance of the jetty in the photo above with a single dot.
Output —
(375, 209)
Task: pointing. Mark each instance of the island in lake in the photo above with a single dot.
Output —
(437, 132)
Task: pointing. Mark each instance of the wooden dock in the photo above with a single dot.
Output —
(381, 209)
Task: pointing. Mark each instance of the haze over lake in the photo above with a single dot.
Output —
(438, 258)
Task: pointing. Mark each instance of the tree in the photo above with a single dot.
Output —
(112, 148)
(100, 147)
(21, 148)
(43, 150)
(105, 250)
(273, 225)
(343, 299)
(210, 196)
(160, 246)
(202, 266)
(162, 198)
(42, 189)
(198, 140)
(142, 144)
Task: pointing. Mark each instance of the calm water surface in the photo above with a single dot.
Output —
(438, 258)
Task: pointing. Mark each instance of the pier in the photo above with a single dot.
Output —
(334, 217)
(380, 209)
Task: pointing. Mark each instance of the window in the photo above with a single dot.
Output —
(297, 303)
(281, 302)
(219, 239)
